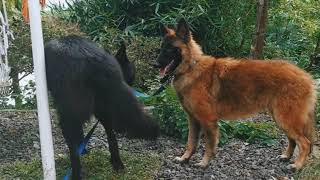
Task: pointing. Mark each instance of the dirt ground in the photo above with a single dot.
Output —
(237, 159)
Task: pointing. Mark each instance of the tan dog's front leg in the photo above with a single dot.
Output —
(211, 133)
(193, 140)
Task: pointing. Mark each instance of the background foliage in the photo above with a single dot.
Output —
(225, 23)
(293, 30)
(223, 28)
(20, 57)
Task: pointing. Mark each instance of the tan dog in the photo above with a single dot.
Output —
(212, 88)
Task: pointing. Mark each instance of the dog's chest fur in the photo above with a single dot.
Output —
(195, 89)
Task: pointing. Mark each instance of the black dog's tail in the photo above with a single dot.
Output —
(127, 114)
(132, 117)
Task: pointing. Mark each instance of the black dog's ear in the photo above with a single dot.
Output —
(183, 30)
(164, 30)
(121, 55)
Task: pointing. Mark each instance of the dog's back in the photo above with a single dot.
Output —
(247, 87)
(71, 63)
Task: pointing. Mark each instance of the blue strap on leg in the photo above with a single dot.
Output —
(68, 174)
(82, 148)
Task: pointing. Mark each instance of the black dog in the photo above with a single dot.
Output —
(86, 80)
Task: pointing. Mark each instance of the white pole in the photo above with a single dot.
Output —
(47, 153)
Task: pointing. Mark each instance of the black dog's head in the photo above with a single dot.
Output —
(173, 44)
(128, 68)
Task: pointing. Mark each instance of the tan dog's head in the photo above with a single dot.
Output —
(175, 45)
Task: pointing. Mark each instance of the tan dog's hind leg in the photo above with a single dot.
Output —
(293, 123)
(193, 140)
(304, 150)
(211, 133)
(287, 154)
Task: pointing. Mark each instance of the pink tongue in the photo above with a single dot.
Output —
(162, 72)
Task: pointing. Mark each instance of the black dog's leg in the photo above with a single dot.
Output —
(73, 136)
(75, 162)
(113, 148)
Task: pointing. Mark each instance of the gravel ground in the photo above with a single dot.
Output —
(19, 140)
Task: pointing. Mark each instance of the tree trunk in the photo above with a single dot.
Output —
(315, 57)
(261, 23)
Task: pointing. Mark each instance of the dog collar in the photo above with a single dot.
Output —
(193, 63)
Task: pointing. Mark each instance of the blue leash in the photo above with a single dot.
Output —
(138, 94)
(82, 147)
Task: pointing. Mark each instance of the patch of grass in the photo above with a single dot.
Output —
(96, 166)
(310, 171)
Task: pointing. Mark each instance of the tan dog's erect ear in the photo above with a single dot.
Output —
(164, 30)
(183, 30)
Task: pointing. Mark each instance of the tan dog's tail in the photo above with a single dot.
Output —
(310, 125)
(310, 130)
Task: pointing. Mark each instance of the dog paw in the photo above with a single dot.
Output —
(202, 165)
(292, 167)
(284, 158)
(180, 160)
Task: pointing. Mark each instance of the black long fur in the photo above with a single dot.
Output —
(85, 80)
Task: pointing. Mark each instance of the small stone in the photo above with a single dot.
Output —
(60, 155)
(36, 146)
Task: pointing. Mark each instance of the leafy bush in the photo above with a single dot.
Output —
(29, 96)
(223, 28)
(168, 111)
(55, 28)
(20, 49)
(248, 131)
(228, 24)
(143, 51)
(293, 29)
